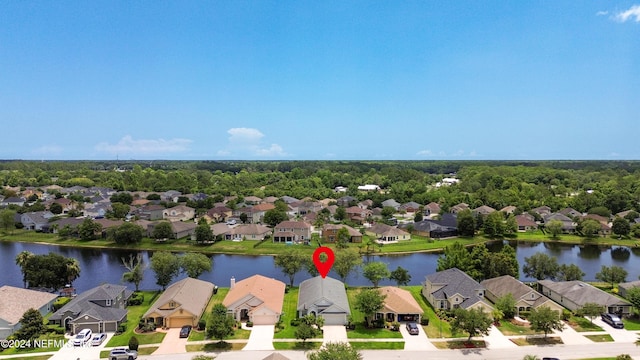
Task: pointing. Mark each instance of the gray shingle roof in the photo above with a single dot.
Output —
(327, 292)
(456, 281)
(85, 303)
(581, 293)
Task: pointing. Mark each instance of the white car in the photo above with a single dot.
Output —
(98, 339)
(83, 337)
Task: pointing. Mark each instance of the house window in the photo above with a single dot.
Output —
(108, 302)
(533, 295)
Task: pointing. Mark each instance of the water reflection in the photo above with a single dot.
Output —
(620, 254)
(589, 251)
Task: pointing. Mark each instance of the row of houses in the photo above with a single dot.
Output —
(452, 288)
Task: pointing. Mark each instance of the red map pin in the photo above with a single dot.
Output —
(323, 267)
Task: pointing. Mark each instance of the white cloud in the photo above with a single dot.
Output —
(633, 13)
(248, 141)
(424, 153)
(128, 145)
(48, 150)
(602, 13)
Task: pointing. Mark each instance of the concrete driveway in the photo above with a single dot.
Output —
(415, 342)
(497, 340)
(172, 343)
(88, 352)
(618, 335)
(570, 336)
(261, 338)
(334, 333)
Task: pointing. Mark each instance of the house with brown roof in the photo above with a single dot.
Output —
(458, 207)
(357, 214)
(570, 212)
(509, 209)
(432, 208)
(330, 233)
(15, 301)
(292, 231)
(258, 299)
(483, 210)
(182, 303)
(218, 214)
(179, 213)
(525, 222)
(386, 234)
(399, 305)
(255, 214)
(247, 232)
(252, 200)
(526, 297)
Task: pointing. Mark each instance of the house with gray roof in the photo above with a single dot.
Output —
(623, 288)
(575, 294)
(15, 301)
(100, 309)
(526, 297)
(452, 288)
(326, 298)
(435, 229)
(38, 220)
(391, 203)
(568, 225)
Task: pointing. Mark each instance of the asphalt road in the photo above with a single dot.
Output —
(563, 352)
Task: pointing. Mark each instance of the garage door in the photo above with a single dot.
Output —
(93, 326)
(263, 319)
(176, 322)
(334, 319)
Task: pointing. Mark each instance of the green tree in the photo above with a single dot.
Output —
(290, 262)
(401, 276)
(455, 256)
(274, 216)
(375, 272)
(127, 233)
(369, 302)
(21, 260)
(203, 233)
(340, 213)
(162, 230)
(591, 310)
(633, 295)
(342, 238)
(244, 217)
(466, 223)
(194, 264)
(621, 226)
(72, 269)
(346, 262)
(612, 275)
(50, 271)
(166, 266)
(590, 227)
(7, 220)
(309, 327)
(135, 270)
(418, 217)
(546, 320)
(89, 230)
(55, 208)
(474, 322)
(387, 212)
(32, 326)
(511, 225)
(220, 323)
(541, 266)
(506, 304)
(335, 351)
(122, 197)
(493, 224)
(554, 227)
(118, 211)
(570, 272)
(530, 357)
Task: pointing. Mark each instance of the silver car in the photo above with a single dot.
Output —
(123, 354)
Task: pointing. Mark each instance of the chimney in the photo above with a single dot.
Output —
(233, 282)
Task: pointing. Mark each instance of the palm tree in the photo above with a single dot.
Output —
(530, 357)
(135, 267)
(21, 260)
(73, 269)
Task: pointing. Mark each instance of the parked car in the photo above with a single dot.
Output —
(548, 358)
(83, 337)
(98, 339)
(613, 320)
(184, 332)
(122, 354)
(412, 328)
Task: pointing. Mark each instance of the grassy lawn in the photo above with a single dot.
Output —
(58, 339)
(437, 328)
(509, 328)
(38, 357)
(361, 332)
(460, 344)
(135, 314)
(631, 323)
(537, 341)
(377, 345)
(599, 338)
(215, 299)
(289, 313)
(216, 346)
(581, 324)
(299, 345)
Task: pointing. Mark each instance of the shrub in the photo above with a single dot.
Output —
(60, 302)
(294, 322)
(122, 328)
(202, 323)
(133, 343)
(136, 299)
(566, 314)
(249, 323)
(395, 326)
(424, 321)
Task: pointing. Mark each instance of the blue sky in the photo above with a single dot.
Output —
(316, 80)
